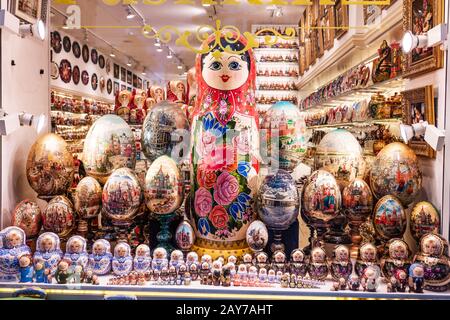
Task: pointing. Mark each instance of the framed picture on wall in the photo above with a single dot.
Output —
(418, 105)
(327, 26)
(139, 80)
(116, 87)
(135, 81)
(129, 77)
(130, 89)
(116, 71)
(123, 87)
(340, 19)
(371, 12)
(419, 16)
(123, 74)
(28, 10)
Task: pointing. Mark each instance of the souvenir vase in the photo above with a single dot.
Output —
(13, 245)
(225, 147)
(164, 194)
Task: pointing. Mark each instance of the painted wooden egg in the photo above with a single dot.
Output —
(396, 171)
(257, 236)
(27, 216)
(185, 236)
(278, 201)
(357, 200)
(88, 198)
(389, 218)
(321, 199)
(49, 166)
(163, 186)
(164, 127)
(424, 219)
(59, 216)
(121, 197)
(109, 145)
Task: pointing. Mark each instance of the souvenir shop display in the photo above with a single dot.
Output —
(28, 217)
(424, 218)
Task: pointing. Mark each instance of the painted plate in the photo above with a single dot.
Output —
(85, 53)
(56, 41)
(85, 77)
(94, 56)
(108, 66)
(109, 86)
(65, 70)
(67, 44)
(102, 84)
(76, 75)
(101, 61)
(94, 81)
(54, 71)
(76, 49)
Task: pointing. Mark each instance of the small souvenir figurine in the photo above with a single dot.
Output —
(164, 274)
(90, 278)
(141, 279)
(77, 273)
(278, 276)
(367, 257)
(159, 259)
(370, 278)
(192, 258)
(41, 274)
(179, 280)
(298, 264)
(76, 251)
(63, 273)
(205, 269)
(279, 261)
(25, 269)
(232, 259)
(271, 277)
(176, 258)
(207, 258)
(396, 258)
(341, 266)
(187, 279)
(122, 262)
(209, 280)
(342, 283)
(182, 268)
(242, 274)
(232, 268)
(221, 259)
(354, 282)
(284, 281)
(100, 258)
(252, 275)
(172, 273)
(216, 272)
(226, 275)
(262, 260)
(193, 270)
(48, 251)
(318, 268)
(262, 276)
(416, 280)
(247, 259)
(142, 260)
(433, 255)
(12, 245)
(293, 281)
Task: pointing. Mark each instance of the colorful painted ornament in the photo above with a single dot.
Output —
(27, 216)
(424, 219)
(88, 198)
(389, 218)
(257, 236)
(59, 217)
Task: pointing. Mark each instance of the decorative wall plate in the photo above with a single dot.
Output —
(94, 56)
(76, 75)
(65, 70)
(85, 77)
(94, 81)
(108, 66)
(76, 49)
(56, 41)
(101, 61)
(85, 53)
(102, 84)
(67, 44)
(109, 86)
(54, 71)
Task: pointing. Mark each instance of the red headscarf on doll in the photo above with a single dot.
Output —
(241, 99)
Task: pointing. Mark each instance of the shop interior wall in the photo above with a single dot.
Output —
(24, 89)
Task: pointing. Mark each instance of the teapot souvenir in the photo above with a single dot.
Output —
(279, 261)
(176, 258)
(367, 257)
(100, 258)
(12, 246)
(298, 264)
(76, 251)
(142, 260)
(318, 268)
(122, 262)
(48, 251)
(433, 255)
(262, 260)
(396, 258)
(341, 266)
(159, 259)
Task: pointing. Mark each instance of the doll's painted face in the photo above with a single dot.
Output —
(159, 253)
(370, 273)
(341, 254)
(176, 255)
(262, 271)
(217, 265)
(193, 267)
(182, 268)
(297, 256)
(261, 258)
(180, 87)
(172, 269)
(121, 251)
(401, 275)
(247, 258)
(398, 250)
(14, 239)
(205, 265)
(431, 245)
(76, 246)
(206, 258)
(47, 243)
(318, 255)
(232, 259)
(418, 272)
(224, 71)
(192, 257)
(271, 273)
(141, 251)
(63, 266)
(279, 257)
(252, 270)
(24, 261)
(99, 248)
(368, 253)
(242, 268)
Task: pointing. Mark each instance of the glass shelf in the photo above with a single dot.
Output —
(356, 124)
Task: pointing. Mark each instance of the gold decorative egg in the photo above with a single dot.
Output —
(424, 219)
(59, 217)
(28, 217)
(88, 198)
(49, 166)
(109, 145)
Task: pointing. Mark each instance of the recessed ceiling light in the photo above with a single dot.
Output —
(129, 63)
(112, 54)
(157, 43)
(130, 14)
(206, 4)
(180, 67)
(144, 72)
(169, 55)
(159, 49)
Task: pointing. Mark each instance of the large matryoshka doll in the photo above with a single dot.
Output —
(139, 101)
(225, 147)
(191, 87)
(176, 91)
(157, 93)
(122, 109)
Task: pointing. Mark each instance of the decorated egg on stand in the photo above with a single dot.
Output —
(257, 236)
(278, 204)
(59, 217)
(321, 202)
(121, 198)
(424, 219)
(389, 218)
(109, 145)
(28, 217)
(396, 172)
(165, 126)
(87, 201)
(164, 194)
(49, 166)
(185, 236)
(285, 122)
(357, 204)
(340, 154)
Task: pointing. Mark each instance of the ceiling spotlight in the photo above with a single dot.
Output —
(37, 30)
(157, 43)
(129, 63)
(130, 14)
(180, 67)
(144, 72)
(206, 4)
(159, 49)
(169, 55)
(434, 37)
(36, 121)
(112, 54)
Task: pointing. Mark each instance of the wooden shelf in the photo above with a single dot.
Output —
(356, 124)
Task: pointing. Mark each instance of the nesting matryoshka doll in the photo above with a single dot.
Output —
(396, 258)
(76, 251)
(176, 91)
(341, 266)
(48, 250)
(100, 258)
(225, 146)
(142, 260)
(157, 93)
(12, 247)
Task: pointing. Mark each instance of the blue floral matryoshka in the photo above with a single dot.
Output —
(159, 259)
(142, 261)
(12, 246)
(100, 258)
(48, 251)
(192, 258)
(76, 251)
(122, 263)
(176, 258)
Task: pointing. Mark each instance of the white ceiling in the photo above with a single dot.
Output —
(119, 31)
